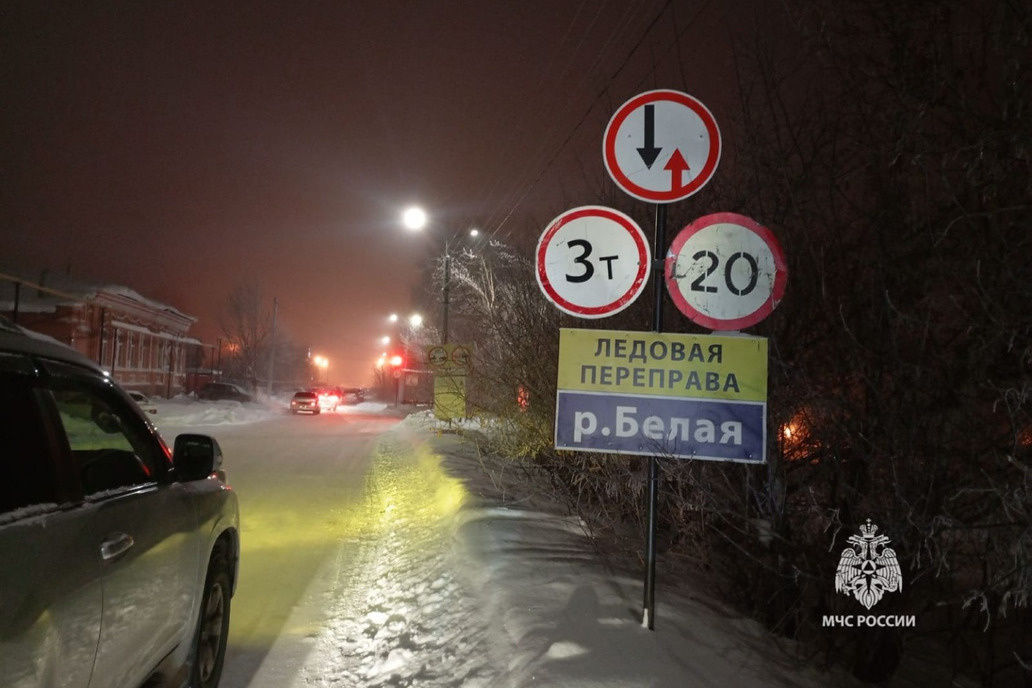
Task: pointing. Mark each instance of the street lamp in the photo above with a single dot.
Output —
(414, 321)
(415, 219)
(322, 363)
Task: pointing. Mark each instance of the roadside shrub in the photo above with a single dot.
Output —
(889, 147)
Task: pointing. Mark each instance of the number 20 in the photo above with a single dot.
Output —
(714, 264)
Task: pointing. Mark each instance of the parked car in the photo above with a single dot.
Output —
(352, 395)
(143, 401)
(216, 391)
(305, 402)
(120, 557)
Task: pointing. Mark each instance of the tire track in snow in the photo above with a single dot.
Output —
(404, 616)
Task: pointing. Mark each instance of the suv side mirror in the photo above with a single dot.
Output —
(196, 457)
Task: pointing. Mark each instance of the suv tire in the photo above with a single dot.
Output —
(209, 649)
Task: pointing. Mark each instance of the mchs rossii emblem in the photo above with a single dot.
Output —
(869, 569)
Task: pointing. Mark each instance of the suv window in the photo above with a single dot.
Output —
(26, 471)
(110, 445)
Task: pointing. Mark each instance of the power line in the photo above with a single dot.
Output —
(675, 45)
(580, 122)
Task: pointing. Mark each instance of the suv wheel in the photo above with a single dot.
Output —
(213, 625)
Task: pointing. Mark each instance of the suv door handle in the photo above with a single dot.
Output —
(119, 543)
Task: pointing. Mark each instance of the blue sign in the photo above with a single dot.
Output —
(716, 430)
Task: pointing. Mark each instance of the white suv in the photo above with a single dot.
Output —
(118, 557)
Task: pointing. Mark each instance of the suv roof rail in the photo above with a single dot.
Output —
(14, 336)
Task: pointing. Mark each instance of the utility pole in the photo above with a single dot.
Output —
(272, 347)
(447, 285)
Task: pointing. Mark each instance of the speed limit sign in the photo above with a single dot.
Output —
(592, 261)
(726, 272)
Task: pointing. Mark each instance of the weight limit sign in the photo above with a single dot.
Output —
(592, 261)
(726, 271)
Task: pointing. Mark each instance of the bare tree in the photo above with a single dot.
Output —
(246, 322)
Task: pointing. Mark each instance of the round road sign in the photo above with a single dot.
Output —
(726, 271)
(661, 146)
(437, 357)
(592, 261)
(461, 356)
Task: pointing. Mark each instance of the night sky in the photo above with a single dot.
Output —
(185, 148)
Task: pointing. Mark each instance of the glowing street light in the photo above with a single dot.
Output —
(322, 363)
(415, 321)
(415, 219)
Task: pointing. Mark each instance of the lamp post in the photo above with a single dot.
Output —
(415, 219)
(447, 284)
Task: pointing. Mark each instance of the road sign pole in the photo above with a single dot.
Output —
(649, 605)
(658, 267)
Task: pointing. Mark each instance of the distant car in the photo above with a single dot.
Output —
(143, 401)
(120, 557)
(329, 397)
(305, 402)
(217, 391)
(352, 395)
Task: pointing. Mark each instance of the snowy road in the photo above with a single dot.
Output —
(304, 512)
(379, 553)
(346, 577)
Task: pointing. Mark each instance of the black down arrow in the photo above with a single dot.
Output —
(649, 152)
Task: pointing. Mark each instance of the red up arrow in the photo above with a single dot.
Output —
(677, 166)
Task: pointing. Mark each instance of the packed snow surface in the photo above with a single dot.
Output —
(464, 590)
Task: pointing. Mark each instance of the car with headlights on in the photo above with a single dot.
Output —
(305, 402)
(329, 398)
(120, 556)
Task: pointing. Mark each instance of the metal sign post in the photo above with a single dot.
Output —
(658, 274)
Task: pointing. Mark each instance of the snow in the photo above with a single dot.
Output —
(494, 588)
(70, 290)
(185, 411)
(37, 512)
